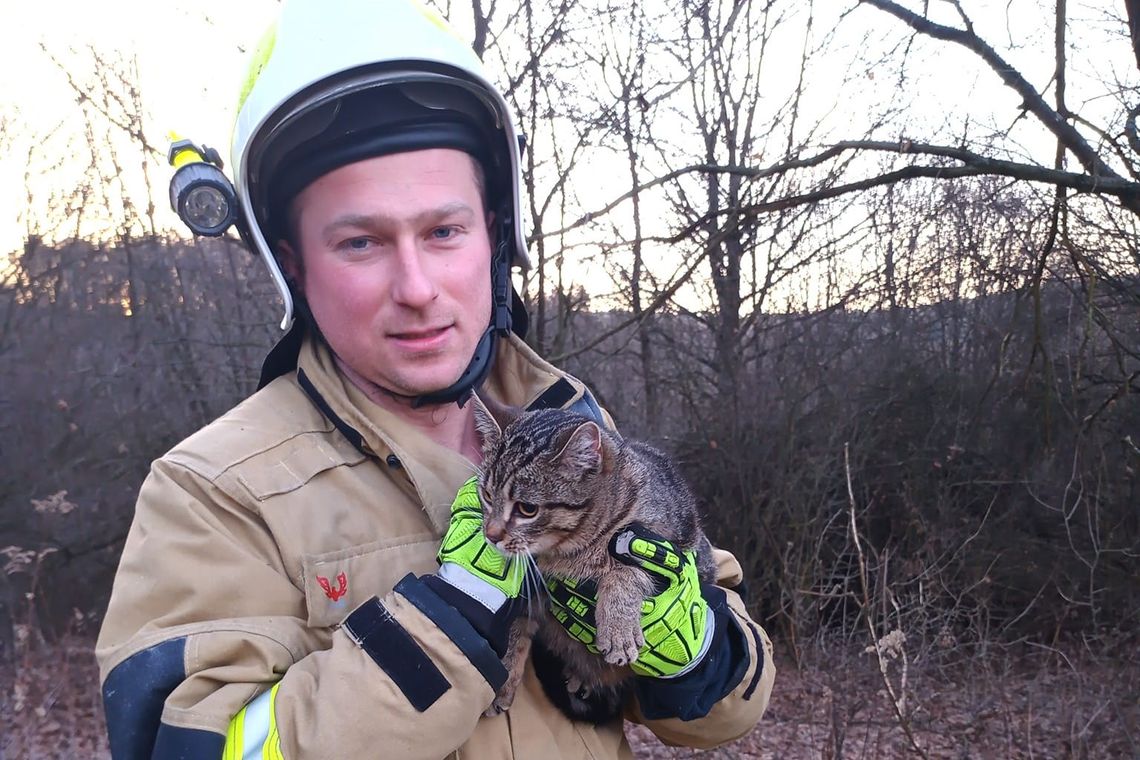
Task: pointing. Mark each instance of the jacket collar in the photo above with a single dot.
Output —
(425, 469)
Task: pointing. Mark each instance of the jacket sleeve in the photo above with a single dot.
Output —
(205, 647)
(725, 696)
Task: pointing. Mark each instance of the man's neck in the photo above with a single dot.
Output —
(446, 424)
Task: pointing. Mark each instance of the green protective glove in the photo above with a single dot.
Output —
(468, 562)
(483, 585)
(676, 621)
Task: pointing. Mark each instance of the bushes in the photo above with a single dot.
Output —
(97, 381)
(995, 491)
(985, 516)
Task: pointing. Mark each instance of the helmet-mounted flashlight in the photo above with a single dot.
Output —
(200, 193)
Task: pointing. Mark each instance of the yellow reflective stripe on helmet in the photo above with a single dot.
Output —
(252, 734)
(432, 15)
(257, 62)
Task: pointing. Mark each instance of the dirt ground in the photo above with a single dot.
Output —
(1036, 704)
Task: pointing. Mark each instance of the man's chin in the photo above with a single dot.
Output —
(410, 384)
(426, 384)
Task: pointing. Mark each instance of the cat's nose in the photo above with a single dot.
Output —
(494, 532)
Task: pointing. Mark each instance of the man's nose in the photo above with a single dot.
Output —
(414, 285)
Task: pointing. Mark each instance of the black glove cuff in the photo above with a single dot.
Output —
(458, 628)
(495, 627)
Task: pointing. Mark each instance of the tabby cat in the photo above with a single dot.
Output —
(557, 486)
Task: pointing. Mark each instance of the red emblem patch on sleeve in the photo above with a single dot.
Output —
(334, 593)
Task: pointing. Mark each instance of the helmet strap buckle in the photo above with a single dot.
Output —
(501, 278)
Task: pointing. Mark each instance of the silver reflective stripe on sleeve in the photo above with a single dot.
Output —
(475, 587)
(252, 734)
(257, 720)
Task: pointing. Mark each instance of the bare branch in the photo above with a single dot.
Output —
(744, 171)
(1114, 185)
(1130, 129)
(1032, 100)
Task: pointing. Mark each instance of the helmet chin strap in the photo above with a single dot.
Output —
(456, 393)
(460, 391)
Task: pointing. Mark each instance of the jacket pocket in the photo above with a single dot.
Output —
(290, 465)
(338, 582)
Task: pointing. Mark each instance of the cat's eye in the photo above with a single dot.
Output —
(526, 510)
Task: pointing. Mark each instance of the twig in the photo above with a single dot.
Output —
(896, 701)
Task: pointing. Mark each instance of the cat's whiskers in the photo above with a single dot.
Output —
(518, 567)
(539, 579)
(539, 589)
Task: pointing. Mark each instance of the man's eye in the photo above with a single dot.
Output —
(525, 509)
(356, 244)
(444, 233)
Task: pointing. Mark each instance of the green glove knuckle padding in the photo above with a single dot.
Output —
(673, 621)
(465, 545)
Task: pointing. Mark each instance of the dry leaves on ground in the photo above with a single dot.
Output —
(1043, 704)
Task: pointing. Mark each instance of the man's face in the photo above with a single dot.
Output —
(395, 263)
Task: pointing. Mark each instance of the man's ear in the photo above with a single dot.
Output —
(290, 261)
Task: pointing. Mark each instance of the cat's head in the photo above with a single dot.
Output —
(542, 474)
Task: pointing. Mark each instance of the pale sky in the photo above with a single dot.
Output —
(190, 64)
(189, 61)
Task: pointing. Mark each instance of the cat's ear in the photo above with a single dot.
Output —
(491, 418)
(488, 429)
(503, 414)
(582, 453)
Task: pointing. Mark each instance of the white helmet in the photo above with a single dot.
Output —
(334, 83)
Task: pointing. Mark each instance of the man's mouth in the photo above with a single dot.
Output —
(431, 332)
(421, 339)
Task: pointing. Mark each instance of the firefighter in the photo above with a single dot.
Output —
(280, 594)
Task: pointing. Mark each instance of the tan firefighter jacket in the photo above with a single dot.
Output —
(254, 538)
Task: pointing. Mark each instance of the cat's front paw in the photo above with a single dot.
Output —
(619, 646)
(504, 698)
